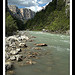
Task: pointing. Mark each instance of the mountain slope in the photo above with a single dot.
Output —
(21, 13)
(12, 23)
(54, 17)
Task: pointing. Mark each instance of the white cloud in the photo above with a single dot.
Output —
(44, 1)
(32, 4)
(35, 8)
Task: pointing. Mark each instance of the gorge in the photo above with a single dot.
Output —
(31, 51)
(21, 13)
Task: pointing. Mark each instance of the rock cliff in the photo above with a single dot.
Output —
(22, 13)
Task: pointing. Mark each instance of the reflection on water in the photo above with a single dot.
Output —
(54, 59)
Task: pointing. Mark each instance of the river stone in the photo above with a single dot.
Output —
(11, 72)
(18, 49)
(18, 57)
(44, 30)
(29, 56)
(37, 48)
(6, 56)
(14, 47)
(30, 62)
(33, 37)
(22, 45)
(12, 38)
(30, 40)
(7, 44)
(35, 53)
(14, 52)
(8, 65)
(41, 44)
(23, 38)
(12, 58)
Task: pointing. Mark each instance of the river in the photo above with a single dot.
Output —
(55, 58)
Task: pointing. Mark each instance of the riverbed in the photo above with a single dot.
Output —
(54, 58)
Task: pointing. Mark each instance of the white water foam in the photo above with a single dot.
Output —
(66, 41)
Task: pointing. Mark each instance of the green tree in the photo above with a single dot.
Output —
(10, 25)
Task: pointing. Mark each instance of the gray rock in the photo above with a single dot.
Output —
(7, 44)
(6, 56)
(18, 57)
(30, 62)
(8, 65)
(12, 58)
(12, 39)
(23, 37)
(41, 44)
(22, 45)
(14, 52)
(44, 30)
(18, 49)
(14, 47)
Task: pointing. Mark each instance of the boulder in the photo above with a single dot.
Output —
(35, 53)
(11, 72)
(37, 48)
(23, 37)
(30, 40)
(7, 44)
(18, 49)
(20, 39)
(12, 58)
(33, 37)
(30, 62)
(44, 30)
(6, 55)
(14, 47)
(18, 57)
(14, 52)
(12, 38)
(30, 55)
(8, 65)
(22, 45)
(41, 44)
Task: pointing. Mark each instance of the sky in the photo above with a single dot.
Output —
(34, 5)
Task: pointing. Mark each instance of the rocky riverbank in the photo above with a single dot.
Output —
(67, 32)
(17, 51)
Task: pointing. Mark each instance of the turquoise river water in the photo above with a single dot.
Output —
(55, 59)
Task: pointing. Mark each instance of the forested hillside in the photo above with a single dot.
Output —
(13, 24)
(54, 18)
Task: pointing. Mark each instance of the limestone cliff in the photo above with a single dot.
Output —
(22, 13)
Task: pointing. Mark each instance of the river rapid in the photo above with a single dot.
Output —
(54, 59)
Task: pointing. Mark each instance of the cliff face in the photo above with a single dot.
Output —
(27, 13)
(22, 14)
